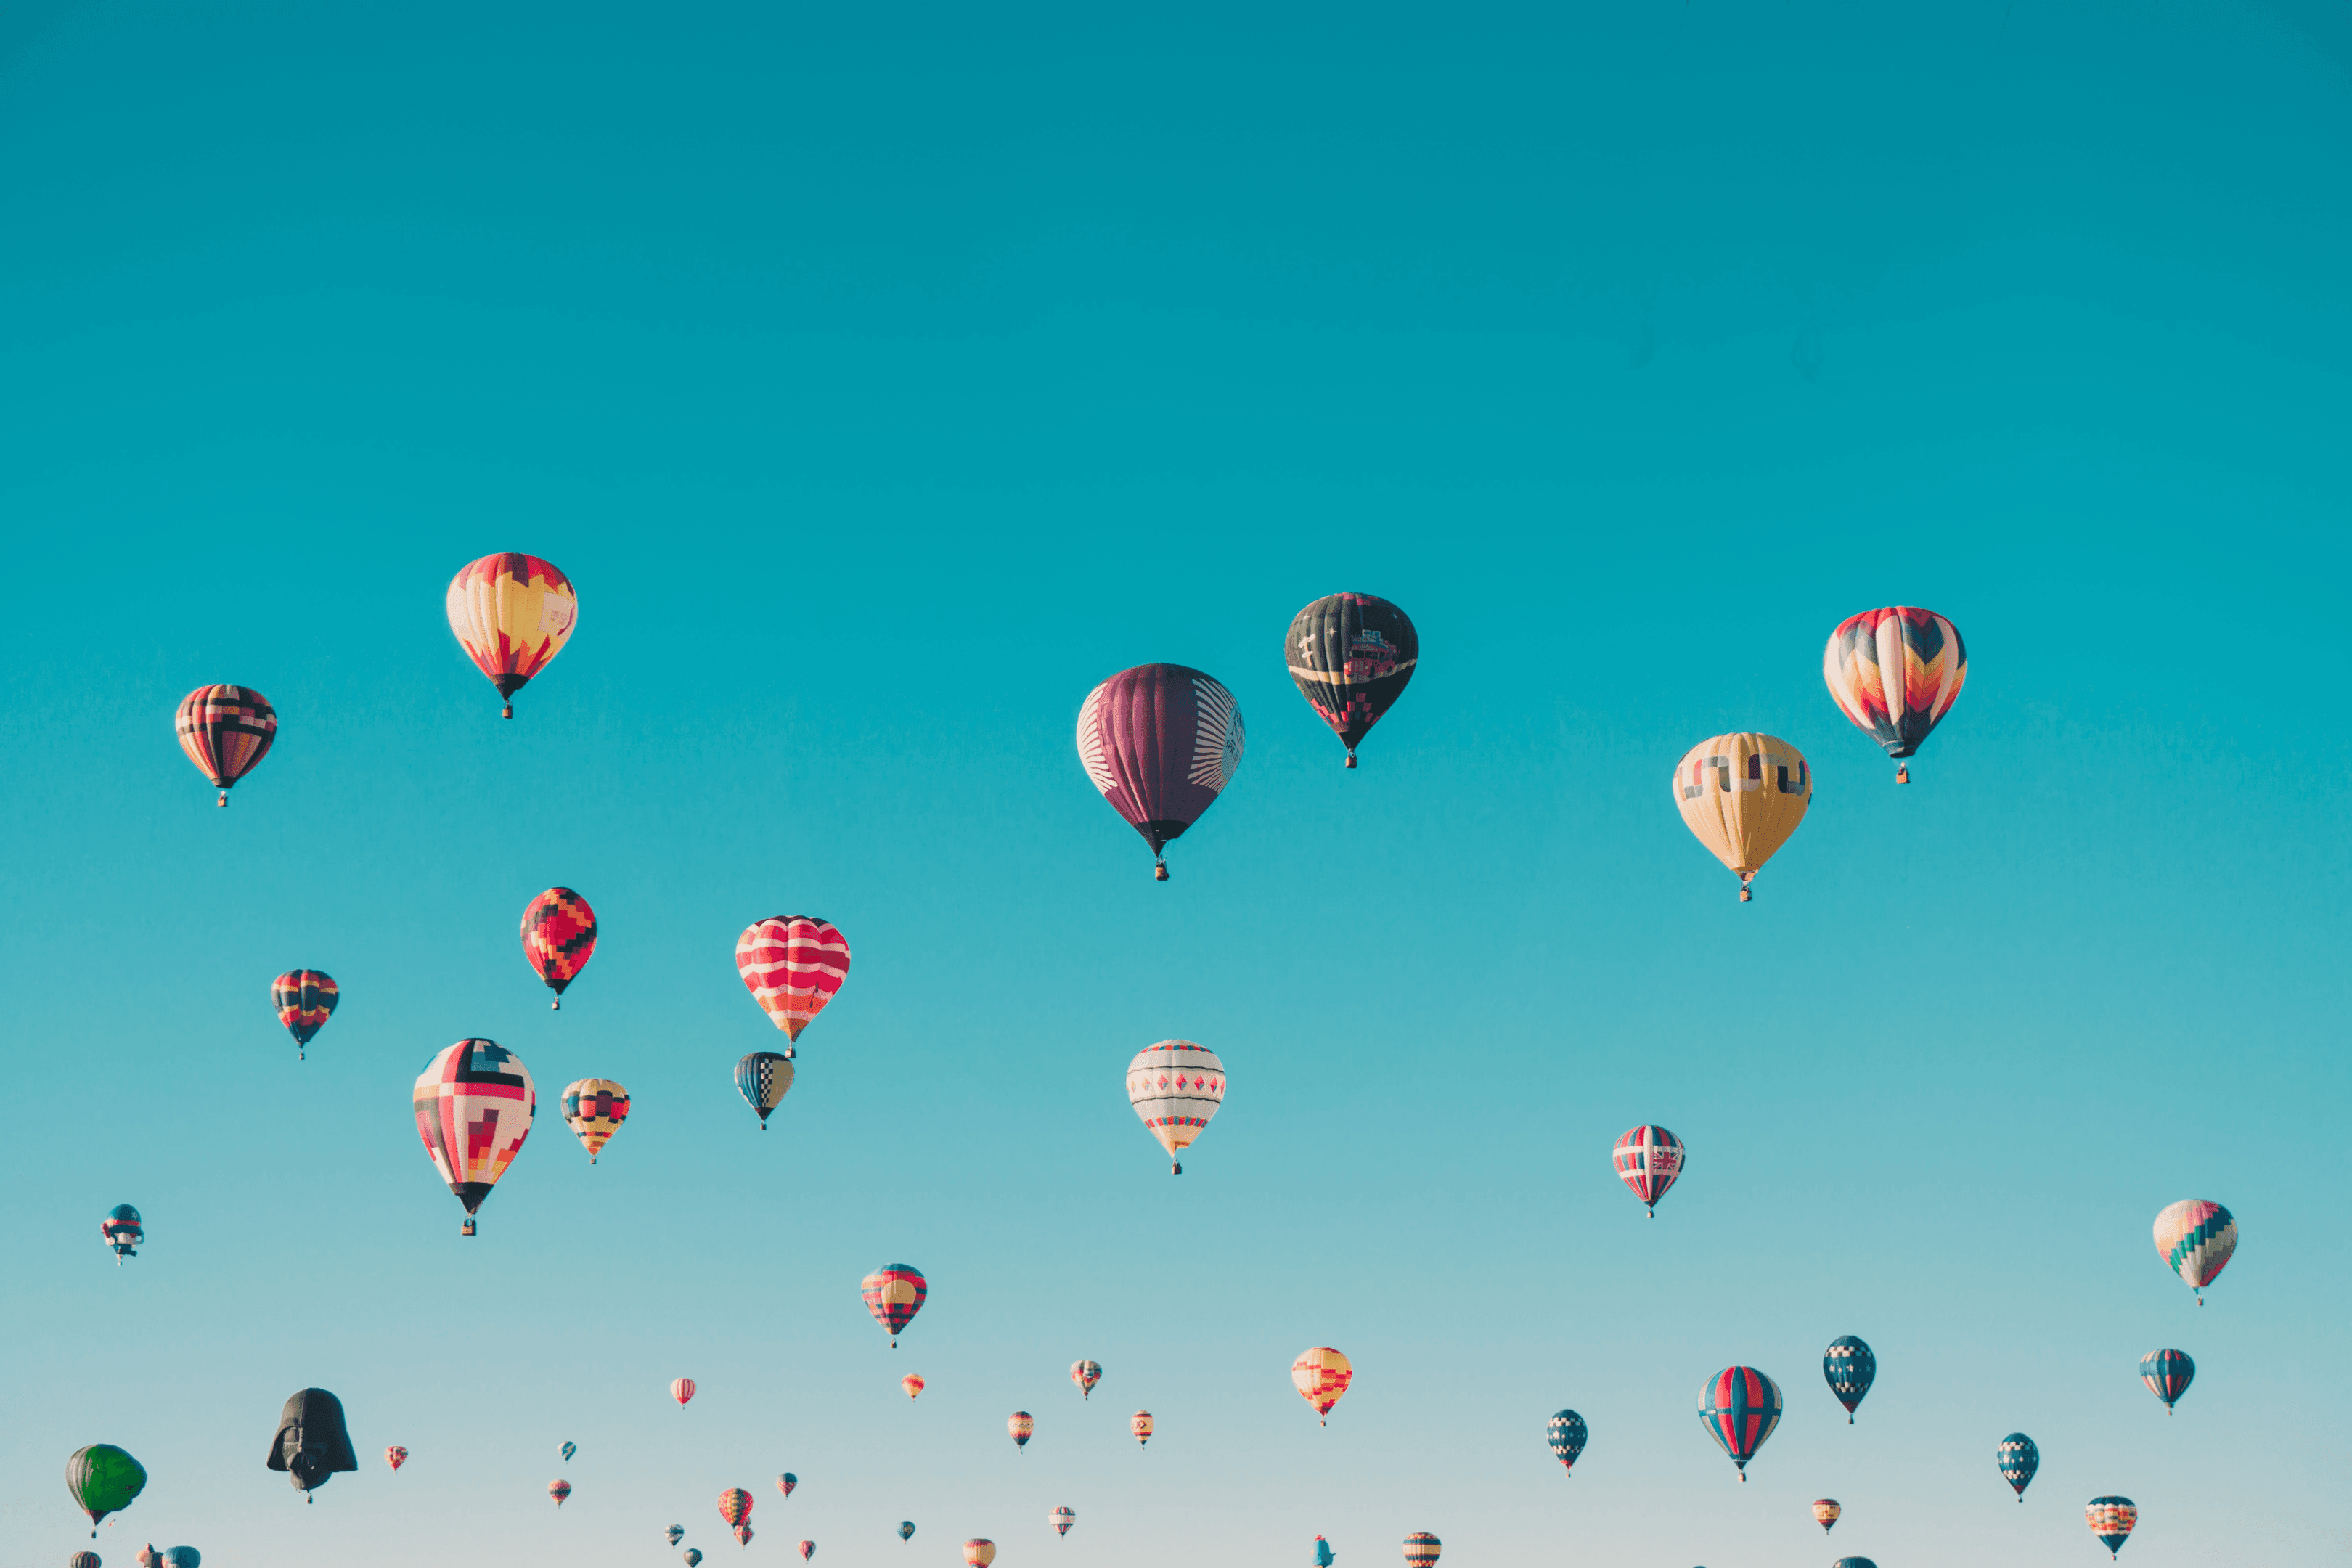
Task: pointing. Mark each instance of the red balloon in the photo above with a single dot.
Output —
(1160, 741)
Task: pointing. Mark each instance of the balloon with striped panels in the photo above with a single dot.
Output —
(225, 730)
(1421, 1550)
(594, 1108)
(1894, 673)
(1061, 1519)
(1161, 742)
(734, 1505)
(681, 1389)
(305, 1000)
(1086, 1375)
(1649, 1159)
(1321, 1375)
(2195, 1238)
(2112, 1520)
(793, 965)
(1740, 1406)
(1825, 1512)
(1021, 1427)
(559, 1490)
(1141, 1425)
(2168, 1374)
(1176, 1087)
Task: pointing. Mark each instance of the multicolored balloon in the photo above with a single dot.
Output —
(979, 1553)
(559, 1490)
(474, 1105)
(2195, 1237)
(1565, 1433)
(763, 1079)
(1850, 1368)
(1740, 1406)
(786, 1482)
(894, 1293)
(1648, 1161)
(1176, 1086)
(734, 1505)
(512, 614)
(225, 730)
(305, 1000)
(681, 1389)
(1853, 1562)
(1351, 655)
(677, 1532)
(1141, 1425)
(1421, 1550)
(1895, 673)
(912, 1385)
(1321, 1375)
(792, 965)
(808, 1550)
(594, 1108)
(2168, 1374)
(396, 1456)
(1160, 741)
(1742, 795)
(1825, 1512)
(1023, 1426)
(181, 1557)
(559, 937)
(2111, 1519)
(123, 1231)
(905, 1530)
(1061, 1519)
(1086, 1375)
(2017, 1459)
(103, 1479)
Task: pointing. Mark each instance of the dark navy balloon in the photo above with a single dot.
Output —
(1851, 1369)
(905, 1530)
(2168, 1374)
(1853, 1562)
(2019, 1458)
(1565, 1433)
(1351, 655)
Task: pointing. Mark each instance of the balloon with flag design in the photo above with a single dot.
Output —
(2196, 1238)
(1160, 741)
(1741, 795)
(305, 1000)
(225, 730)
(1648, 1161)
(559, 937)
(1894, 673)
(1740, 1406)
(1321, 1375)
(1350, 656)
(786, 1482)
(474, 1105)
(512, 614)
(1176, 1087)
(1565, 1433)
(792, 965)
(894, 1293)
(594, 1108)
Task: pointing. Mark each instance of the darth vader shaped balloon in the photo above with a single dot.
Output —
(312, 1444)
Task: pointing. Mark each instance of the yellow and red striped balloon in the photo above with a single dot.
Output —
(511, 614)
(1321, 1374)
(1141, 1425)
(913, 1385)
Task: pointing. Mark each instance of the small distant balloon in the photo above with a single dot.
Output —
(396, 1456)
(594, 1108)
(905, 1530)
(1850, 1370)
(677, 1532)
(743, 1535)
(559, 1490)
(1061, 1519)
(305, 1000)
(1853, 1562)
(681, 1389)
(1022, 1426)
(2112, 1520)
(1141, 1425)
(1086, 1375)
(2195, 1237)
(763, 1079)
(123, 1231)
(808, 1550)
(1825, 1512)
(1565, 1433)
(2018, 1458)
(1350, 656)
(1421, 1550)
(912, 1384)
(786, 1482)
(225, 730)
(1323, 1553)
(84, 1559)
(2168, 1374)
(183, 1557)
(568, 1449)
(1648, 1161)
(693, 1558)
(894, 1293)
(1321, 1375)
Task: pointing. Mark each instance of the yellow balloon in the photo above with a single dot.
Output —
(1742, 795)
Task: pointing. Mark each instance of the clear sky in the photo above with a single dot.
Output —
(884, 378)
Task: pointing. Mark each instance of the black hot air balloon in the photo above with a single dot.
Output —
(312, 1444)
(1350, 655)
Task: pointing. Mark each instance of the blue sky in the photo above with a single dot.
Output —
(883, 381)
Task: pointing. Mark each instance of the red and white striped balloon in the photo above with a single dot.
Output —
(792, 965)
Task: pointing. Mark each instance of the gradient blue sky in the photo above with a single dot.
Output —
(885, 378)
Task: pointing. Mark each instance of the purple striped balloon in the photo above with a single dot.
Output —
(1160, 741)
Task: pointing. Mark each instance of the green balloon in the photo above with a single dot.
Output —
(103, 1478)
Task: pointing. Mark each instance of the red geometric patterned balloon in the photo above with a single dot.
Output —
(792, 965)
(474, 1105)
(559, 937)
(894, 1293)
(734, 1505)
(225, 730)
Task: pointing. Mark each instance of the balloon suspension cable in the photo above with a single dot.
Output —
(1159, 867)
(1903, 773)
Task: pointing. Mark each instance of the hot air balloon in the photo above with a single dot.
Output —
(1141, 1425)
(123, 1231)
(905, 1530)
(1321, 1375)
(511, 614)
(1351, 655)
(808, 1550)
(2111, 1519)
(225, 730)
(559, 1490)
(1740, 1406)
(693, 1558)
(2168, 1374)
(1323, 1553)
(742, 1535)
(1742, 795)
(2196, 1238)
(594, 1108)
(312, 1445)
(734, 1505)
(1176, 1086)
(979, 1553)
(894, 1294)
(1086, 1375)
(681, 1389)
(1565, 1432)
(792, 965)
(677, 1532)
(1853, 1562)
(103, 1479)
(1648, 1161)
(474, 1105)
(84, 1559)
(1825, 1512)
(568, 1450)
(1160, 741)
(912, 1385)
(763, 1079)
(1421, 1550)
(305, 1000)
(1023, 1426)
(1850, 1368)
(396, 1456)
(559, 938)
(2018, 1458)
(786, 1482)
(1061, 1519)
(1895, 673)
(181, 1557)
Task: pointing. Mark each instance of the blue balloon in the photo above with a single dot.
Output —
(1565, 1432)
(677, 1532)
(183, 1557)
(570, 1449)
(1851, 1369)
(905, 1530)
(2019, 1458)
(1323, 1553)
(2168, 1374)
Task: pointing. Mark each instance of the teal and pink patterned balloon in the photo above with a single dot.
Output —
(2195, 1237)
(1740, 1406)
(2168, 1374)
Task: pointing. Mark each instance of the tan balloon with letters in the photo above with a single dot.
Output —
(1742, 795)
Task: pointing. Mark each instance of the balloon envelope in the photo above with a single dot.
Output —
(693, 1558)
(1648, 1161)
(2111, 1519)
(1894, 673)
(123, 1230)
(2195, 1237)
(1160, 741)
(594, 1108)
(1421, 1550)
(559, 937)
(1350, 656)
(511, 614)
(1022, 1426)
(2168, 1374)
(1850, 1370)
(568, 1449)
(1740, 1406)
(2017, 1459)
(979, 1553)
(1141, 1425)
(763, 1079)
(1061, 1519)
(808, 1550)
(894, 1293)
(312, 1445)
(395, 1455)
(677, 1532)
(559, 1490)
(225, 730)
(905, 1530)
(103, 1479)
(1086, 1375)
(681, 1389)
(305, 1000)
(1565, 1433)
(912, 1385)
(474, 1105)
(1321, 1375)
(792, 965)
(786, 1482)
(1175, 1087)
(734, 1505)
(1825, 1512)
(1742, 795)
